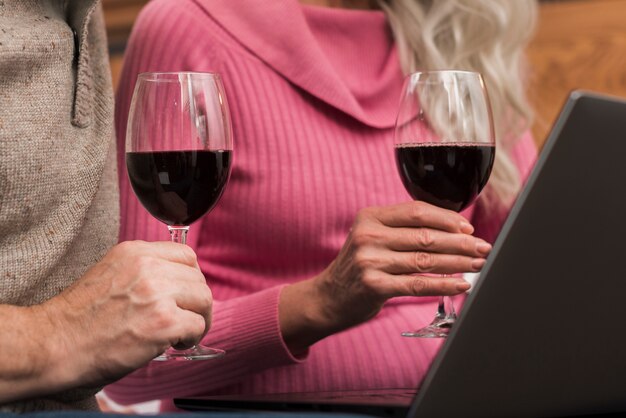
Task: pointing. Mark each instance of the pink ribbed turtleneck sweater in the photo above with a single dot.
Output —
(313, 94)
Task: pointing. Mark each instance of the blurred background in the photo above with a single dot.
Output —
(579, 44)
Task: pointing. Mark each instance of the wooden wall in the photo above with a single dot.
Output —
(578, 44)
(119, 16)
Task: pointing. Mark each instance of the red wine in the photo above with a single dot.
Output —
(178, 187)
(448, 175)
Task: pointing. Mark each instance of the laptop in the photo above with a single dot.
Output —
(543, 333)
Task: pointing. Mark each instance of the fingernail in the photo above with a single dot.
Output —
(478, 263)
(483, 248)
(466, 228)
(463, 286)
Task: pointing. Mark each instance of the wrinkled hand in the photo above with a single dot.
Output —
(384, 255)
(386, 251)
(139, 300)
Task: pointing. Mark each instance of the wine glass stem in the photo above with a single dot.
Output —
(178, 234)
(445, 310)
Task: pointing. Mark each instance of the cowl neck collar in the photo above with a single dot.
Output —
(277, 32)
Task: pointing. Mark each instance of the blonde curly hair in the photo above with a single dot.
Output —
(487, 36)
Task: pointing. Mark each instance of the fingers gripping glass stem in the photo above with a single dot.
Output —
(197, 352)
(445, 149)
(179, 156)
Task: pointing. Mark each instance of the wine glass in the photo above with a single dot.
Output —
(444, 149)
(178, 156)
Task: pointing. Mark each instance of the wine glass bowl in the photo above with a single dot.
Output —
(186, 183)
(444, 149)
(448, 175)
(179, 156)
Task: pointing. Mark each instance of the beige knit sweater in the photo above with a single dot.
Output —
(58, 181)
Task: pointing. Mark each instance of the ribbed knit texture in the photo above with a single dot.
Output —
(58, 189)
(313, 94)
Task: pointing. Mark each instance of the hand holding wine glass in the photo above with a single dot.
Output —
(444, 149)
(178, 155)
(384, 249)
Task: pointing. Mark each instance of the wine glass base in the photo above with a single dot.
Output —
(439, 328)
(197, 352)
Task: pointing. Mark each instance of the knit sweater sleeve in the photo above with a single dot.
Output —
(166, 38)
